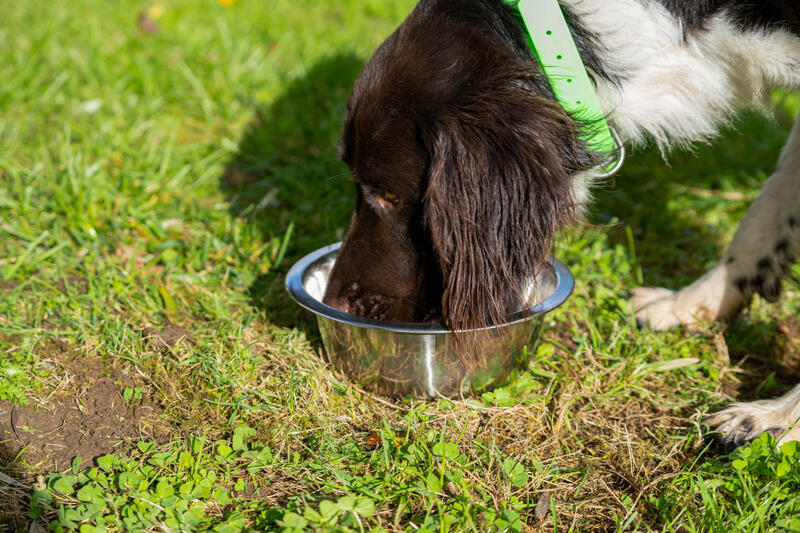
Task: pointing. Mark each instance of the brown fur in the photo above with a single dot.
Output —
(452, 120)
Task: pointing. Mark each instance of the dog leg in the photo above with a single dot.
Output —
(742, 422)
(762, 250)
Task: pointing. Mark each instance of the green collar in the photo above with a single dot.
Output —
(552, 44)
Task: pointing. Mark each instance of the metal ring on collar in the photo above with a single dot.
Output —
(609, 168)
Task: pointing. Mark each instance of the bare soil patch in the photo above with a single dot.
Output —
(8, 285)
(84, 416)
(82, 413)
(168, 338)
(76, 284)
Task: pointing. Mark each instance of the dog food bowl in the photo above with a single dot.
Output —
(422, 359)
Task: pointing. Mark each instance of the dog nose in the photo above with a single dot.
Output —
(338, 303)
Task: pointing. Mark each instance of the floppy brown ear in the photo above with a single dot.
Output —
(500, 187)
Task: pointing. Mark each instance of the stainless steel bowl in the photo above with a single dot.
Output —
(418, 359)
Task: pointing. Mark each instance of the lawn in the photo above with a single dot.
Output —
(163, 164)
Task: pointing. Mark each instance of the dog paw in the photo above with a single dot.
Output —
(654, 307)
(646, 295)
(740, 423)
(663, 309)
(743, 422)
(711, 297)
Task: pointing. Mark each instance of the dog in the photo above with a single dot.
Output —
(466, 166)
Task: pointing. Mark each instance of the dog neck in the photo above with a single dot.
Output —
(664, 81)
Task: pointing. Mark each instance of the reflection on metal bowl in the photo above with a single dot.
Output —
(421, 359)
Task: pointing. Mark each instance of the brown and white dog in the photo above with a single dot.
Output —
(466, 167)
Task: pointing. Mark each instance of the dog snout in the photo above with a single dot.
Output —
(365, 303)
(338, 303)
(355, 300)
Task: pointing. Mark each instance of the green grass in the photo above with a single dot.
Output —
(171, 178)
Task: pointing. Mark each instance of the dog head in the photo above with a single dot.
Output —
(463, 167)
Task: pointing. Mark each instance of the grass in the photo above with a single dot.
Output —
(156, 181)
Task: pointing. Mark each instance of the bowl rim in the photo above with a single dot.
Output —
(565, 283)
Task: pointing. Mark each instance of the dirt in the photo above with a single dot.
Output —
(68, 285)
(168, 338)
(76, 284)
(237, 177)
(146, 24)
(8, 285)
(768, 357)
(84, 416)
(790, 330)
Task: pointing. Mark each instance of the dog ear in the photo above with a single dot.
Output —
(500, 187)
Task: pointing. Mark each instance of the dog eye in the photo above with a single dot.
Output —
(390, 197)
(382, 198)
(387, 200)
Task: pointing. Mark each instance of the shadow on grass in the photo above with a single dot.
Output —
(288, 173)
(675, 208)
(769, 353)
(678, 211)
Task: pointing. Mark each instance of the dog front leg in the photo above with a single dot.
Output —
(763, 248)
(742, 422)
